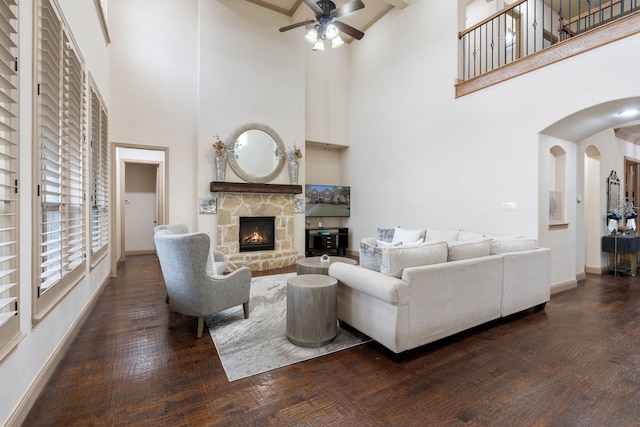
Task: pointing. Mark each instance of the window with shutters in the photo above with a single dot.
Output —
(99, 177)
(9, 98)
(60, 149)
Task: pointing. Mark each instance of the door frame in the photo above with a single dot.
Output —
(138, 154)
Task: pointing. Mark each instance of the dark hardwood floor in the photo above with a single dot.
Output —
(576, 363)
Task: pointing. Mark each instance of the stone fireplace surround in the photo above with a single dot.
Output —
(231, 206)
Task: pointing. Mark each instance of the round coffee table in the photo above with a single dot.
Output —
(312, 310)
(313, 265)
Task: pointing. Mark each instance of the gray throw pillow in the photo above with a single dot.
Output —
(370, 256)
(385, 234)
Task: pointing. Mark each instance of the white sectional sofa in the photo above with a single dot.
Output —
(407, 295)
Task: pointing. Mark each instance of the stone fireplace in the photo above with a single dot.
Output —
(232, 206)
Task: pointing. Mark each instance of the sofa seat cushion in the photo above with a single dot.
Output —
(395, 259)
(513, 245)
(465, 249)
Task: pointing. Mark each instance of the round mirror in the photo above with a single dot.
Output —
(253, 157)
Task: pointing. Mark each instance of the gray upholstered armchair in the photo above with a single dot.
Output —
(193, 288)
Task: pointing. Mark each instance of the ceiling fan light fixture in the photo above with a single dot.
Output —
(332, 32)
(337, 42)
(629, 113)
(319, 45)
(311, 36)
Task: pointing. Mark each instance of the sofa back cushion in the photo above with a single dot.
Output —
(446, 235)
(465, 249)
(514, 245)
(396, 258)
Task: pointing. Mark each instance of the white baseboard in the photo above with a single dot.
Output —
(596, 270)
(26, 403)
(563, 286)
(140, 252)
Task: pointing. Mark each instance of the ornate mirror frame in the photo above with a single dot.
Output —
(613, 191)
(247, 175)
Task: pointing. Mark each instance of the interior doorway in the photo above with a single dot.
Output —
(632, 182)
(593, 222)
(139, 199)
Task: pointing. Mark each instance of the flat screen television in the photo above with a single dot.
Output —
(327, 201)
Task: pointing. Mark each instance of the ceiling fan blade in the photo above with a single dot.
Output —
(347, 8)
(349, 30)
(299, 24)
(313, 5)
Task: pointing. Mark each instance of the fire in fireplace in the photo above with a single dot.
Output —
(257, 233)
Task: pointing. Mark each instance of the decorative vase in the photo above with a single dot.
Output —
(221, 168)
(293, 171)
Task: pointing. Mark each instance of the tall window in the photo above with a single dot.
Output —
(60, 147)
(9, 98)
(99, 177)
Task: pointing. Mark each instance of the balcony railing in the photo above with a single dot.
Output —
(529, 26)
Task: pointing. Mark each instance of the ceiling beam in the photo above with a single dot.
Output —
(275, 8)
(401, 4)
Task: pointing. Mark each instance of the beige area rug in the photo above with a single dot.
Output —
(259, 344)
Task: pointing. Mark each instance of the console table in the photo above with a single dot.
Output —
(326, 241)
(622, 244)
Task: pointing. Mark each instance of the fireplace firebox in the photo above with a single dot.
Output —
(257, 233)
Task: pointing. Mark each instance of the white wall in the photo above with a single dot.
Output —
(26, 365)
(436, 161)
(153, 64)
(327, 94)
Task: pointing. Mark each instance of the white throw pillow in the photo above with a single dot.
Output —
(446, 235)
(465, 249)
(468, 235)
(514, 245)
(395, 259)
(404, 236)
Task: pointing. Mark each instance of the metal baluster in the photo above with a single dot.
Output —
(535, 24)
(486, 50)
(492, 45)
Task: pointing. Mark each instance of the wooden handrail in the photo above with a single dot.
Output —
(491, 18)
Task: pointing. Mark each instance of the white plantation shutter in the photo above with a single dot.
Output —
(61, 116)
(9, 97)
(73, 154)
(50, 112)
(99, 176)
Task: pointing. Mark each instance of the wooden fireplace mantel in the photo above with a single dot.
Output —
(249, 187)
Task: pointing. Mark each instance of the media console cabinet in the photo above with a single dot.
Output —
(326, 240)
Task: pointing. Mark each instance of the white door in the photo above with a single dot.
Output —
(140, 207)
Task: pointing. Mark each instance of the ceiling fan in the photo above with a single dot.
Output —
(325, 26)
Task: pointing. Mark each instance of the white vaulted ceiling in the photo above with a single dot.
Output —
(362, 19)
